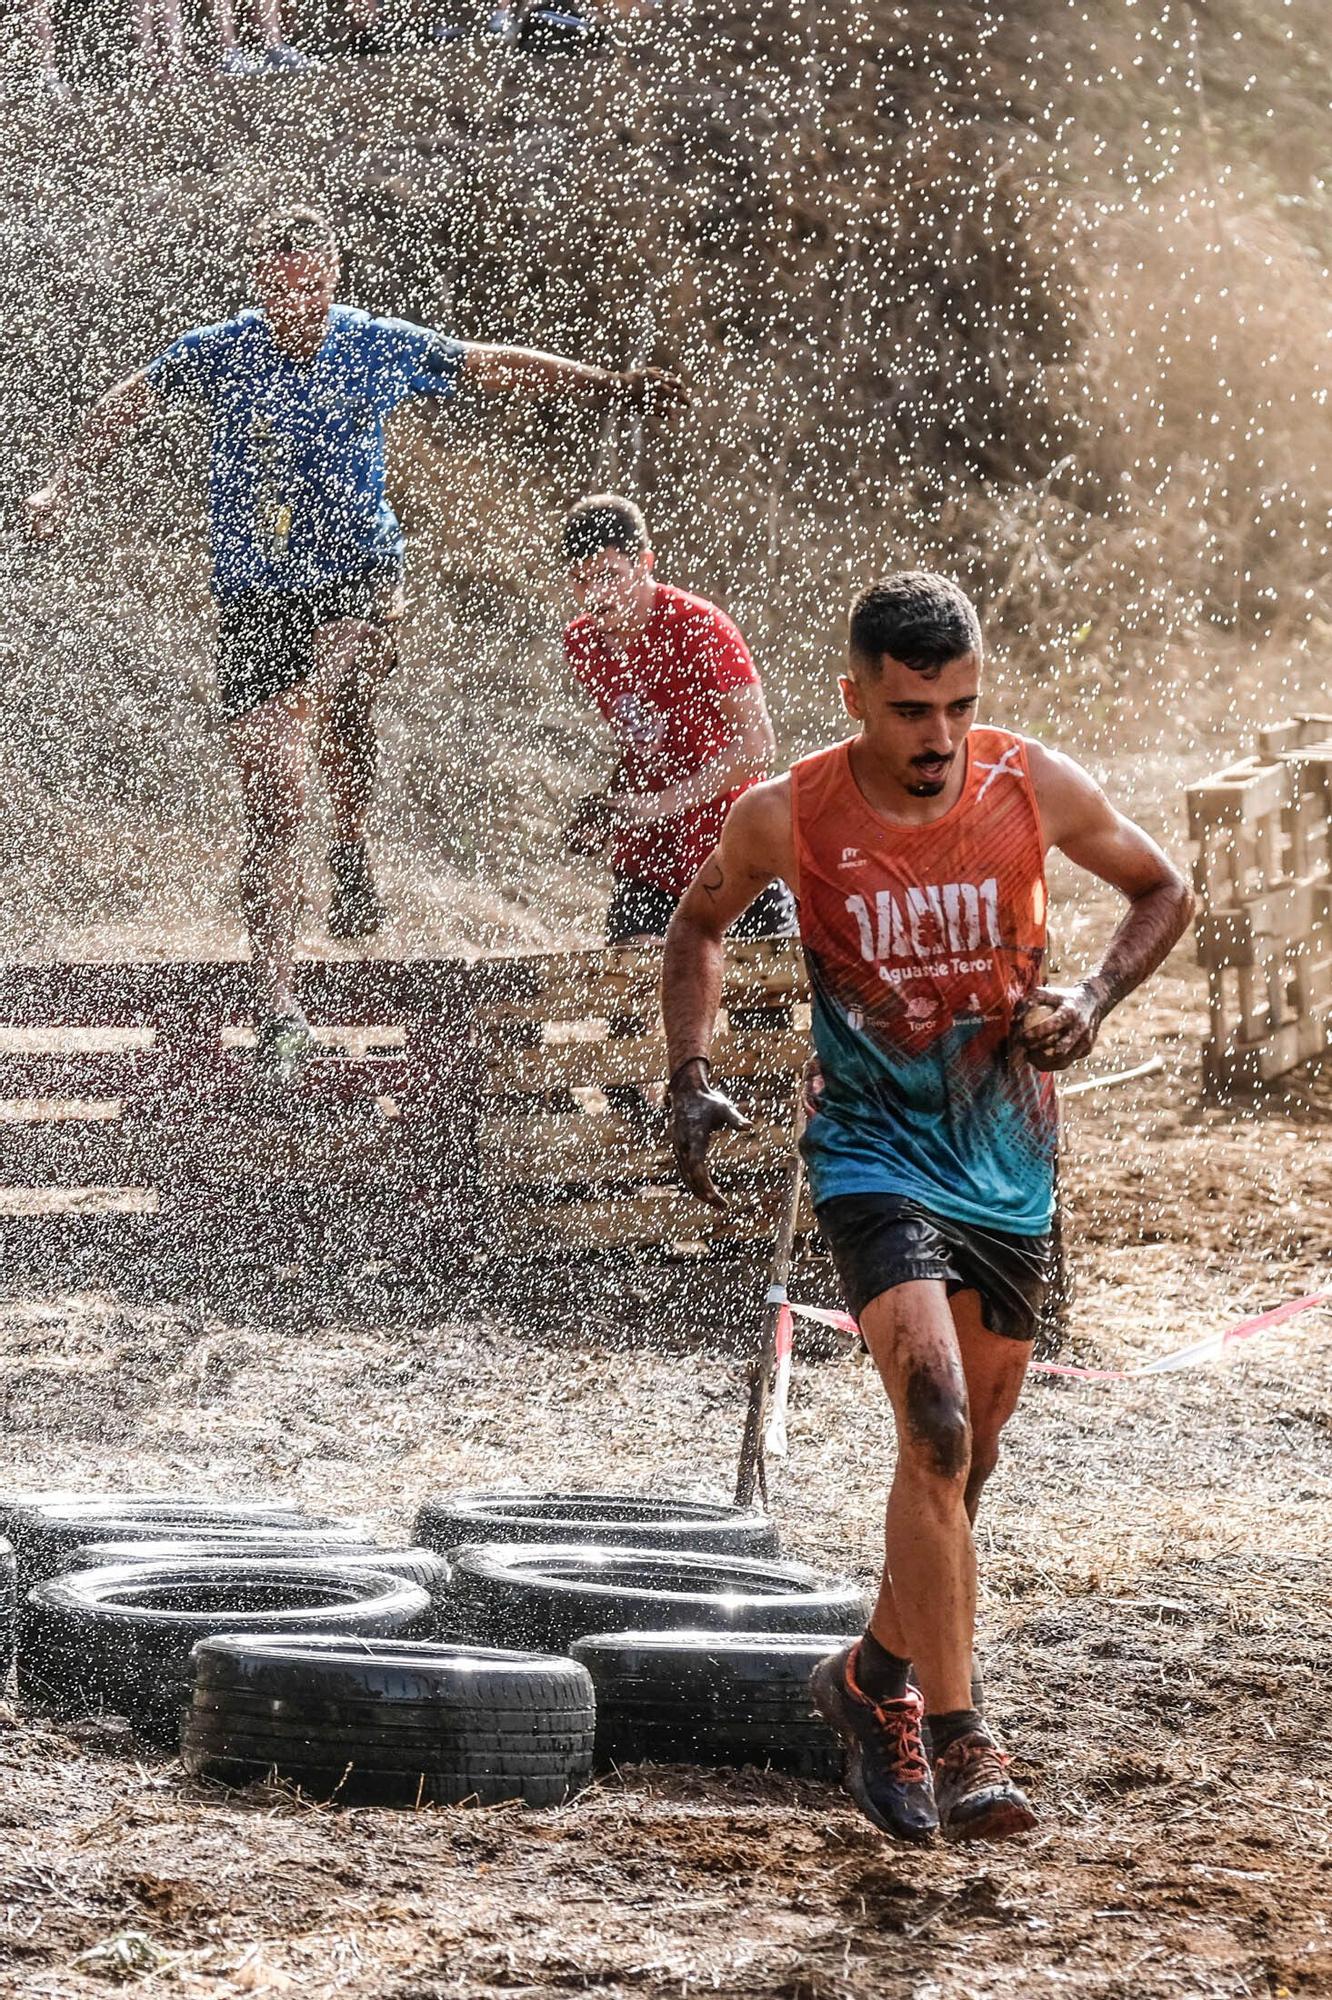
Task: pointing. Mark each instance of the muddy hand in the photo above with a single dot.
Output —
(1059, 1025)
(697, 1112)
(653, 391)
(589, 826)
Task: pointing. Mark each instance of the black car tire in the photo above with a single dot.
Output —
(43, 1533)
(711, 1698)
(396, 1723)
(423, 1566)
(347, 1784)
(547, 1596)
(121, 1639)
(18, 1509)
(606, 1519)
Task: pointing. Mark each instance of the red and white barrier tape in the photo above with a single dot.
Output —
(1191, 1356)
(774, 1438)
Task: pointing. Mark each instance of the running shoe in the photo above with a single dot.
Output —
(284, 1043)
(977, 1799)
(355, 910)
(887, 1772)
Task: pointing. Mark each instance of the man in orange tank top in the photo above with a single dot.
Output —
(917, 854)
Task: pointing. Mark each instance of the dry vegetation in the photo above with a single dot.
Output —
(1040, 297)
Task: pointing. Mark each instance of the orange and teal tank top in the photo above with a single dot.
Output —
(922, 943)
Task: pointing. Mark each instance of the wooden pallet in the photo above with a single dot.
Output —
(1263, 829)
(129, 1113)
(571, 1141)
(470, 1111)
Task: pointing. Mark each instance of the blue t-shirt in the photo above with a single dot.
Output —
(296, 478)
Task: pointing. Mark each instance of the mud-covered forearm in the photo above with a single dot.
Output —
(1059, 1025)
(746, 757)
(691, 983)
(527, 370)
(501, 370)
(690, 995)
(1152, 925)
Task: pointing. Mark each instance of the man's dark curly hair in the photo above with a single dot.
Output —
(916, 617)
(603, 521)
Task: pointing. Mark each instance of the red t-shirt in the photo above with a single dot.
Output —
(661, 698)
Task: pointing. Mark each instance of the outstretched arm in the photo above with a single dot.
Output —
(1063, 1023)
(755, 848)
(501, 370)
(101, 431)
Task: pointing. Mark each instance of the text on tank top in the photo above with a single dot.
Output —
(923, 943)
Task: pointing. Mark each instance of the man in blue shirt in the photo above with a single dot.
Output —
(307, 552)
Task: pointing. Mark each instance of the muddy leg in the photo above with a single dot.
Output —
(271, 746)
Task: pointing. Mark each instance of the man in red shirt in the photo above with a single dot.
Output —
(675, 681)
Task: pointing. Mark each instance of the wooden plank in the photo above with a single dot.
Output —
(1239, 797)
(567, 988)
(27, 1111)
(123, 994)
(155, 1081)
(1269, 1056)
(1244, 936)
(1215, 1006)
(594, 984)
(104, 1073)
(649, 1220)
(519, 1152)
(84, 1199)
(1277, 738)
(196, 997)
(194, 1150)
(137, 1220)
(641, 1060)
(1315, 729)
(372, 1212)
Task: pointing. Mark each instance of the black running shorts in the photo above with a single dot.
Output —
(265, 637)
(641, 909)
(882, 1240)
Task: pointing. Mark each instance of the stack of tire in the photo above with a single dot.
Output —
(375, 1722)
(523, 1637)
(699, 1640)
(114, 1593)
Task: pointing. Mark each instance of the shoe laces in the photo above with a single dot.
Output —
(976, 1758)
(900, 1723)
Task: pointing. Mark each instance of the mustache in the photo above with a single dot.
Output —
(929, 759)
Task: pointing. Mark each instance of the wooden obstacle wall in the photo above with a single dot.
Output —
(572, 1133)
(1263, 873)
(464, 1112)
(130, 1120)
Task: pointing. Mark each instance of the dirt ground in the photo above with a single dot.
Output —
(1155, 1627)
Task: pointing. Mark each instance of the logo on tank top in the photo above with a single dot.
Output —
(926, 931)
(1009, 766)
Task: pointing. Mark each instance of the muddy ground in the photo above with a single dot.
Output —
(1155, 1626)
